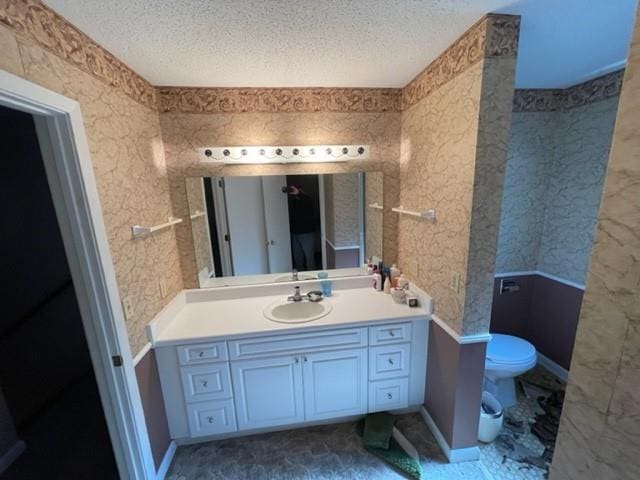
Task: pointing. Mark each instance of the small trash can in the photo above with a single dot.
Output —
(491, 417)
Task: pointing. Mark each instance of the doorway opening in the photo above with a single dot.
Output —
(48, 391)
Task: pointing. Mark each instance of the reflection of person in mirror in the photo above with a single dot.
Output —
(302, 225)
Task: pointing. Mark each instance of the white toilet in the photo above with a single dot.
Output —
(507, 357)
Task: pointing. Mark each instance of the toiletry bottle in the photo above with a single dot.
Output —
(387, 283)
(395, 273)
(377, 281)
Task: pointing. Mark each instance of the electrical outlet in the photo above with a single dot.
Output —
(164, 288)
(454, 282)
(127, 307)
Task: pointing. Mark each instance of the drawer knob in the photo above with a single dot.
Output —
(296, 359)
(201, 354)
(204, 383)
(389, 396)
(390, 361)
(210, 419)
(391, 334)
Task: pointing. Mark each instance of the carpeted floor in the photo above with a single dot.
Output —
(315, 453)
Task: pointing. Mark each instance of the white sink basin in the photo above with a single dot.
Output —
(296, 312)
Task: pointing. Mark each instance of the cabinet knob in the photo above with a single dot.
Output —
(210, 419)
(296, 359)
(389, 396)
(390, 361)
(304, 358)
(204, 383)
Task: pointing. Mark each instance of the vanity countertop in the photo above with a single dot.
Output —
(192, 317)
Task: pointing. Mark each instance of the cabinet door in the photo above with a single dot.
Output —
(335, 383)
(268, 391)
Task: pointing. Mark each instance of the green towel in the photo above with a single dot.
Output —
(377, 439)
(377, 430)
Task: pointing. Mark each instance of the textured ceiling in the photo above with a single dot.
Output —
(343, 43)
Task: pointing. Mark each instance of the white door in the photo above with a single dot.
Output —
(335, 383)
(268, 391)
(247, 231)
(276, 216)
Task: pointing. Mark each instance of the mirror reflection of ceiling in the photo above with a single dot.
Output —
(343, 43)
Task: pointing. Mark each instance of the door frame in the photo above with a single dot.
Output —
(67, 160)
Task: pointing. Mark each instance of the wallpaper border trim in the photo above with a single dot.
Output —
(493, 36)
(278, 100)
(40, 24)
(554, 100)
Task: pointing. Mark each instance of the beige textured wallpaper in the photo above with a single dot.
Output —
(599, 434)
(184, 133)
(126, 150)
(342, 209)
(453, 156)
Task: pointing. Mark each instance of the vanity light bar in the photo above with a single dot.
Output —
(294, 154)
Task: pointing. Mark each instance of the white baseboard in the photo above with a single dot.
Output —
(166, 461)
(553, 367)
(454, 455)
(11, 455)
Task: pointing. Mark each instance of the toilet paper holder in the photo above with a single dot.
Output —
(508, 286)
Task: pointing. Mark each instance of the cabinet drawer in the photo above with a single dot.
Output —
(393, 333)
(296, 343)
(388, 394)
(206, 382)
(389, 361)
(213, 417)
(203, 352)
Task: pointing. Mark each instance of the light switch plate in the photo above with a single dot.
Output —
(454, 282)
(164, 288)
(127, 307)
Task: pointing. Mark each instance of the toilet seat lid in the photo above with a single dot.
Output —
(507, 349)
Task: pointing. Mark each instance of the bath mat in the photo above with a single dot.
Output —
(377, 431)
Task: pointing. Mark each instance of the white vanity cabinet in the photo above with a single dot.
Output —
(255, 383)
(335, 384)
(268, 391)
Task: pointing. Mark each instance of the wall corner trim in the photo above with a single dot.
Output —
(461, 339)
(523, 273)
(454, 455)
(11, 455)
(166, 461)
(140, 355)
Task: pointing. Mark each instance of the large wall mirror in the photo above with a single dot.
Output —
(262, 229)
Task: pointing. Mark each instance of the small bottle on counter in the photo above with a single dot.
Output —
(377, 281)
(387, 283)
(394, 272)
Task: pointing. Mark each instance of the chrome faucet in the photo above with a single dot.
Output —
(294, 275)
(296, 297)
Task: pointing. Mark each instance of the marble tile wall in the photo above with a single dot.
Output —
(453, 152)
(184, 133)
(555, 172)
(126, 148)
(599, 429)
